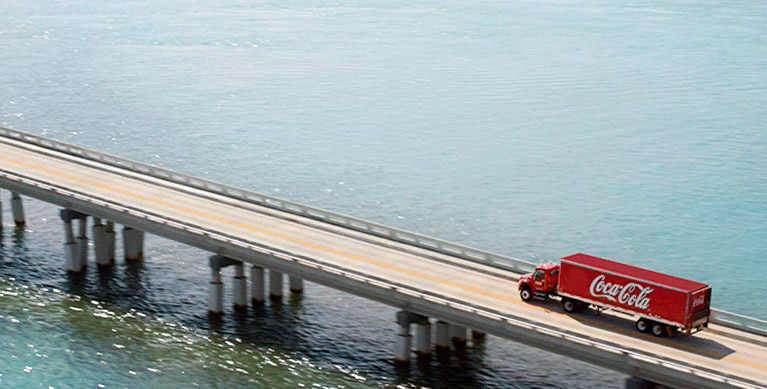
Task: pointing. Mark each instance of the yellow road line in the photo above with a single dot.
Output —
(261, 230)
(353, 256)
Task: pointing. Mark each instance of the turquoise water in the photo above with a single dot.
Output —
(533, 129)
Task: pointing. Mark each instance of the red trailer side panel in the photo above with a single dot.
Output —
(624, 292)
(648, 275)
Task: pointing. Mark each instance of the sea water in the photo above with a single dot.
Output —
(534, 129)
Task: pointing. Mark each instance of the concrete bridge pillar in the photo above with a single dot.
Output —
(70, 249)
(82, 241)
(275, 285)
(404, 339)
(216, 293)
(109, 236)
(216, 288)
(296, 284)
(257, 287)
(423, 338)
(402, 343)
(640, 383)
(18, 209)
(443, 336)
(458, 335)
(133, 244)
(99, 232)
(74, 264)
(239, 287)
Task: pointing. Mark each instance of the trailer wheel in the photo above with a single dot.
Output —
(569, 305)
(658, 329)
(643, 325)
(525, 294)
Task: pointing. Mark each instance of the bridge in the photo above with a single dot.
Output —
(434, 283)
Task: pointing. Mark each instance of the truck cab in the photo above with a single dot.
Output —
(540, 283)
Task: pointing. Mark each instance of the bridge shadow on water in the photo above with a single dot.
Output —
(272, 323)
(460, 367)
(286, 325)
(123, 287)
(624, 325)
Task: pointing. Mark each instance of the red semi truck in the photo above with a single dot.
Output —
(662, 302)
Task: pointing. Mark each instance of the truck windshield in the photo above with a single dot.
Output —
(538, 274)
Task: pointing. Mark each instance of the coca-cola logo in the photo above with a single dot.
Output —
(699, 300)
(631, 294)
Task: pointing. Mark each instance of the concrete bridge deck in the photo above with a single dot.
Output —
(415, 279)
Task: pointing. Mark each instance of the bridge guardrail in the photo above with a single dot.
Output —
(628, 353)
(739, 322)
(487, 258)
(425, 242)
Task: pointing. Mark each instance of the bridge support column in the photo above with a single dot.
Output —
(216, 293)
(275, 285)
(100, 243)
(18, 209)
(239, 287)
(82, 241)
(71, 251)
(1, 211)
(458, 335)
(402, 344)
(257, 286)
(133, 244)
(443, 336)
(296, 284)
(404, 339)
(639, 383)
(423, 338)
(110, 242)
(216, 288)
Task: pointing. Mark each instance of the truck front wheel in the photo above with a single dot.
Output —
(569, 305)
(525, 294)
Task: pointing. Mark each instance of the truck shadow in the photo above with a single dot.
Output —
(619, 323)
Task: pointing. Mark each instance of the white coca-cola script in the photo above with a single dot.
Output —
(699, 300)
(631, 294)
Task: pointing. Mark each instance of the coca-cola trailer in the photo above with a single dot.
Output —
(663, 303)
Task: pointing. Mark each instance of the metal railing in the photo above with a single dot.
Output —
(380, 230)
(625, 353)
(739, 322)
(483, 257)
